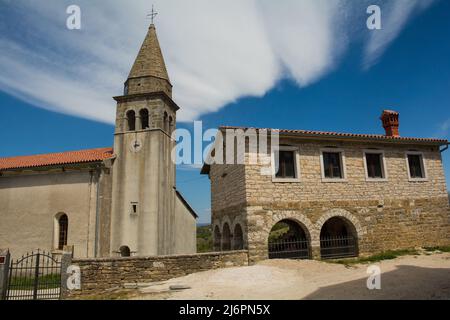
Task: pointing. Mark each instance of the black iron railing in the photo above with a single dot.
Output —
(291, 249)
(36, 276)
(338, 247)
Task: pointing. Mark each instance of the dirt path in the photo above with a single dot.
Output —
(410, 277)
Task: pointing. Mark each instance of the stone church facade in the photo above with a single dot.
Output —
(367, 193)
(110, 201)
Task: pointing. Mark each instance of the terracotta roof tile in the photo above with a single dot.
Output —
(307, 133)
(51, 159)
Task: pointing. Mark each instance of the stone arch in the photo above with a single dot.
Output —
(339, 234)
(171, 124)
(226, 237)
(145, 118)
(297, 242)
(343, 214)
(238, 237)
(217, 238)
(165, 122)
(238, 221)
(225, 219)
(310, 229)
(131, 120)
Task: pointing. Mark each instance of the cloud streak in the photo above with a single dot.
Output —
(216, 51)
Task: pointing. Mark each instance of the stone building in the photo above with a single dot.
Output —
(332, 195)
(110, 201)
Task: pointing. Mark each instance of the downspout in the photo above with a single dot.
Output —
(97, 213)
(91, 180)
(445, 148)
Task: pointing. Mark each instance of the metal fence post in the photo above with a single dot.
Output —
(4, 272)
(66, 261)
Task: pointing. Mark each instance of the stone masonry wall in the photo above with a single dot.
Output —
(100, 275)
(228, 197)
(310, 187)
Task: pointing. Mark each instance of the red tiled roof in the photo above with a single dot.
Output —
(308, 133)
(51, 159)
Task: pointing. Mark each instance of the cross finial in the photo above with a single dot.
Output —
(153, 14)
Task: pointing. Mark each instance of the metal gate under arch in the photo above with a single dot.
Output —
(35, 276)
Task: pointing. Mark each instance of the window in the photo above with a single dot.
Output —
(134, 208)
(144, 119)
(63, 225)
(166, 122)
(416, 168)
(332, 165)
(131, 119)
(374, 164)
(286, 166)
(171, 125)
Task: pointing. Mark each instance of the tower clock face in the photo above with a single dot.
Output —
(135, 145)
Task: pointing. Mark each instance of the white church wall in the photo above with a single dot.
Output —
(30, 202)
(185, 229)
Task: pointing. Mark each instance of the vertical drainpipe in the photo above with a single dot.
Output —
(97, 212)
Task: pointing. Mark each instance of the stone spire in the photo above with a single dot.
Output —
(149, 73)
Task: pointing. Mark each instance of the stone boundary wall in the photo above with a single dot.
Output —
(103, 274)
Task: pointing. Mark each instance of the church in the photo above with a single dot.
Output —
(119, 201)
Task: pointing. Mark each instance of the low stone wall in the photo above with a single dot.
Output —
(100, 275)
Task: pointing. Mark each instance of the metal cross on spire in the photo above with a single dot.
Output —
(153, 14)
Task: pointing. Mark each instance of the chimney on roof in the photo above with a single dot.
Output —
(391, 123)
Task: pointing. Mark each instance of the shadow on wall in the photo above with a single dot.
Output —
(406, 282)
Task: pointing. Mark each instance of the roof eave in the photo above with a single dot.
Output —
(53, 166)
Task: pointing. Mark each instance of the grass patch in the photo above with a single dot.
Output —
(441, 249)
(49, 281)
(386, 255)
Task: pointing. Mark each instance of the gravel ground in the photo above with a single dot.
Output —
(409, 277)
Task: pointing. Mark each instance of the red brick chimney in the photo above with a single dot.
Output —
(390, 123)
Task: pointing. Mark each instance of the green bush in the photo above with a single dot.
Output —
(204, 239)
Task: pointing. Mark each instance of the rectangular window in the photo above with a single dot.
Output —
(374, 163)
(134, 208)
(332, 165)
(286, 165)
(416, 168)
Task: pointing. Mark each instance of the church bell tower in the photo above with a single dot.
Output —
(143, 195)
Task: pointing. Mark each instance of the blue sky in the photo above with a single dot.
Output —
(342, 84)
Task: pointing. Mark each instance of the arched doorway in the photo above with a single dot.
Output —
(125, 251)
(226, 238)
(289, 240)
(338, 239)
(217, 239)
(238, 238)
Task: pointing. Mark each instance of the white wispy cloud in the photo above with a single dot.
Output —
(216, 51)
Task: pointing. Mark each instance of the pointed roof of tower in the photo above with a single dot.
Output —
(150, 61)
